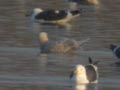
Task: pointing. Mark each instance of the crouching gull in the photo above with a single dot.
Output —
(67, 46)
(53, 16)
(85, 74)
(85, 2)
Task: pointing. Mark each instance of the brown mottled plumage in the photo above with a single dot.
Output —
(67, 46)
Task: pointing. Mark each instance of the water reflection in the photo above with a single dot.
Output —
(37, 27)
(86, 87)
(80, 87)
(43, 62)
(67, 26)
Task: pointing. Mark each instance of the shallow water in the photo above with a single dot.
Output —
(23, 68)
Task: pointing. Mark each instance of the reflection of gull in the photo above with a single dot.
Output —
(80, 87)
(42, 62)
(85, 87)
(85, 74)
(53, 16)
(65, 46)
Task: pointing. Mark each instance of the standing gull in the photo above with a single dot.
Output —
(85, 74)
(64, 47)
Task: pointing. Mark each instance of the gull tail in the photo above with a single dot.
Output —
(75, 12)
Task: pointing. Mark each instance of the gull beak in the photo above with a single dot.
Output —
(71, 75)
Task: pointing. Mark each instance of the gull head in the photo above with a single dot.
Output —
(43, 37)
(37, 10)
(78, 70)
